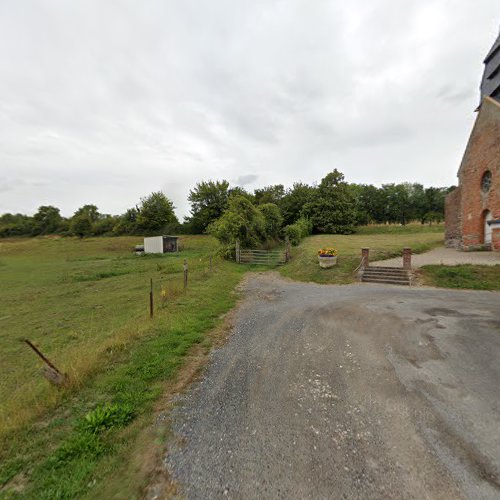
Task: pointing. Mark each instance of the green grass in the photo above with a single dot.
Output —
(474, 277)
(413, 228)
(70, 443)
(304, 264)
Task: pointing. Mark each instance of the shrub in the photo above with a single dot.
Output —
(298, 230)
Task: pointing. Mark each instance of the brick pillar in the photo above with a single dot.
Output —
(406, 258)
(365, 258)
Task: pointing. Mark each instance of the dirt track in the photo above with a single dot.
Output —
(346, 392)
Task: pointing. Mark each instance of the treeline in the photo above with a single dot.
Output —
(272, 212)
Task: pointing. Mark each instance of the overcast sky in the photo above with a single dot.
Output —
(106, 101)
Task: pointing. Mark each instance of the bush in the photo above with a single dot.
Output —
(241, 221)
(298, 230)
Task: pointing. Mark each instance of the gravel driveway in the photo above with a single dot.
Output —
(445, 256)
(346, 392)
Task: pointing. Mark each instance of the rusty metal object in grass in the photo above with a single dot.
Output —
(49, 371)
(185, 274)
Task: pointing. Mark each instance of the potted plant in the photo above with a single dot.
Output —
(327, 257)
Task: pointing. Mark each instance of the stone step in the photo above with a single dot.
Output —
(374, 270)
(398, 274)
(386, 280)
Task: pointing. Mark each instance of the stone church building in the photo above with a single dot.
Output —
(472, 211)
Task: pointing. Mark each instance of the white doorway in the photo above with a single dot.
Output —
(488, 228)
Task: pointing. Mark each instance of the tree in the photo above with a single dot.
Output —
(332, 208)
(127, 223)
(156, 213)
(269, 194)
(273, 220)
(294, 200)
(242, 221)
(89, 211)
(208, 202)
(81, 225)
(15, 225)
(46, 220)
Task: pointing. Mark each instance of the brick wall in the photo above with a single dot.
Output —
(452, 212)
(495, 241)
(482, 154)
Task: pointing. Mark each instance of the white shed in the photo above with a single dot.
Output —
(160, 244)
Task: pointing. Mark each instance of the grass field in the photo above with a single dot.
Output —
(84, 303)
(304, 265)
(462, 276)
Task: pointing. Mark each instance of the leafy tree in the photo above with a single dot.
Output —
(104, 224)
(332, 208)
(243, 221)
(15, 225)
(127, 223)
(156, 213)
(46, 220)
(208, 202)
(89, 211)
(81, 225)
(294, 200)
(269, 194)
(273, 220)
(239, 191)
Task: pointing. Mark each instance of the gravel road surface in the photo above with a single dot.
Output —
(358, 391)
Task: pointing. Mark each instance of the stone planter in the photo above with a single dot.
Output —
(327, 261)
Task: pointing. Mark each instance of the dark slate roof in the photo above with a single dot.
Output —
(490, 84)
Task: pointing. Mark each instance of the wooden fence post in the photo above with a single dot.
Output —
(185, 274)
(238, 251)
(151, 304)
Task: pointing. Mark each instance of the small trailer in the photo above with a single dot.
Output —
(161, 244)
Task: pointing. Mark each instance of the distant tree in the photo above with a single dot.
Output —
(243, 221)
(156, 213)
(15, 225)
(269, 194)
(292, 203)
(208, 202)
(127, 223)
(332, 208)
(104, 225)
(81, 225)
(89, 211)
(239, 191)
(273, 220)
(46, 220)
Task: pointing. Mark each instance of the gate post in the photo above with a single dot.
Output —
(238, 251)
(407, 258)
(365, 258)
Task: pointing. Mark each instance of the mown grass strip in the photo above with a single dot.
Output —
(474, 277)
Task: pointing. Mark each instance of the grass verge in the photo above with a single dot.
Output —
(469, 276)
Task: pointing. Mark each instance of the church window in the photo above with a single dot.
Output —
(486, 182)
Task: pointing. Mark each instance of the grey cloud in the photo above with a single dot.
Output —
(245, 180)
